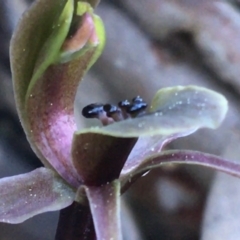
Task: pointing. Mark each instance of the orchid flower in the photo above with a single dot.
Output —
(86, 170)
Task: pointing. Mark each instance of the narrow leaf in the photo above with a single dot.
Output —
(184, 157)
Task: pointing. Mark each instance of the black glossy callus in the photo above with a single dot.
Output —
(136, 107)
(124, 104)
(110, 109)
(137, 99)
(92, 110)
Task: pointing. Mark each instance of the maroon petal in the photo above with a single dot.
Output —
(105, 207)
(98, 158)
(75, 223)
(26, 195)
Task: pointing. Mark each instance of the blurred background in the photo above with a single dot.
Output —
(150, 44)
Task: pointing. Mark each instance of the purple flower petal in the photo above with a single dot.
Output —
(105, 207)
(183, 157)
(147, 147)
(26, 195)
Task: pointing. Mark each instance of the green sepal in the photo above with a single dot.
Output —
(51, 48)
(83, 7)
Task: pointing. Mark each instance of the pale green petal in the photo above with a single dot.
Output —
(173, 110)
